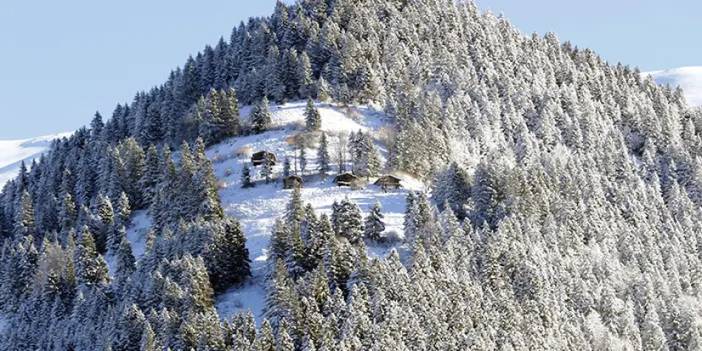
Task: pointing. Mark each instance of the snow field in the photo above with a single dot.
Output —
(257, 208)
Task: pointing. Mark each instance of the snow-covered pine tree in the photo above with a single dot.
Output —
(267, 170)
(304, 76)
(374, 226)
(230, 261)
(91, 269)
(313, 119)
(349, 221)
(246, 181)
(303, 160)
(286, 167)
(261, 117)
(323, 159)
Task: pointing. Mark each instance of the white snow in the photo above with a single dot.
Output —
(688, 78)
(257, 208)
(13, 152)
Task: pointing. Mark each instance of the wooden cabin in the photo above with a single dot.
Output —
(292, 182)
(260, 158)
(346, 179)
(389, 182)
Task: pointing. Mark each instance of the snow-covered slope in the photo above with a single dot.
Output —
(688, 78)
(257, 208)
(13, 152)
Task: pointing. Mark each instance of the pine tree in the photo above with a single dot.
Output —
(304, 76)
(152, 174)
(303, 160)
(246, 177)
(24, 220)
(323, 90)
(349, 221)
(295, 212)
(104, 214)
(267, 170)
(265, 341)
(230, 257)
(123, 210)
(129, 329)
(374, 226)
(285, 342)
(313, 119)
(117, 233)
(151, 132)
(125, 263)
(286, 167)
(96, 125)
(261, 117)
(91, 269)
(323, 156)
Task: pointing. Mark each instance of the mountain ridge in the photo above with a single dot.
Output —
(688, 78)
(14, 152)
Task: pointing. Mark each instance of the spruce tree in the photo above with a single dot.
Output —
(349, 221)
(374, 226)
(304, 76)
(303, 160)
(323, 156)
(313, 119)
(91, 269)
(24, 219)
(230, 257)
(246, 181)
(125, 263)
(152, 172)
(267, 170)
(286, 167)
(105, 217)
(261, 117)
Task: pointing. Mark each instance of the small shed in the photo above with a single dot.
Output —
(260, 158)
(292, 182)
(389, 182)
(346, 179)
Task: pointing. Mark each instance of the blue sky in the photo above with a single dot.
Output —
(61, 61)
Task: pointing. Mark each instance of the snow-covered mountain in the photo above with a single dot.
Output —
(688, 78)
(13, 152)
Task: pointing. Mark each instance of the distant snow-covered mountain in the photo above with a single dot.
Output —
(688, 78)
(13, 152)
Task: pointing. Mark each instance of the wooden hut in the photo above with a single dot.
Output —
(346, 179)
(260, 158)
(292, 182)
(389, 182)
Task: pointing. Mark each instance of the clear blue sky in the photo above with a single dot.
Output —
(63, 60)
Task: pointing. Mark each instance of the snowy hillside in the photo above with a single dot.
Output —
(257, 208)
(13, 152)
(688, 78)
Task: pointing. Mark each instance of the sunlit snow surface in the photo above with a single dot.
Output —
(13, 152)
(258, 208)
(688, 78)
